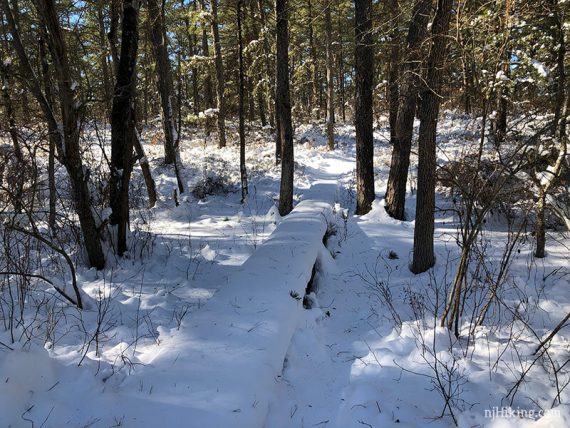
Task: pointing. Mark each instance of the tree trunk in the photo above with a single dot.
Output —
(123, 123)
(394, 69)
(220, 78)
(258, 94)
(192, 42)
(9, 110)
(404, 126)
(17, 178)
(250, 100)
(160, 48)
(283, 107)
(208, 87)
(423, 256)
(314, 103)
(104, 65)
(67, 136)
(560, 92)
(545, 184)
(330, 81)
(261, 108)
(467, 70)
(242, 168)
(560, 118)
(364, 61)
(51, 137)
(500, 122)
(146, 84)
(180, 87)
(112, 34)
(143, 162)
(278, 140)
(341, 74)
(270, 96)
(540, 226)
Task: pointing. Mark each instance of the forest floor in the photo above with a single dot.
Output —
(369, 353)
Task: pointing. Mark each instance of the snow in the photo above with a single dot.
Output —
(208, 253)
(209, 113)
(540, 68)
(235, 347)
(204, 324)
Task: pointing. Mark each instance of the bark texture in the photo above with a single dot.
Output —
(423, 256)
(164, 78)
(330, 80)
(123, 123)
(220, 77)
(402, 133)
(242, 168)
(364, 59)
(283, 107)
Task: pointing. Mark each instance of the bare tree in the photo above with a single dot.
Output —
(66, 135)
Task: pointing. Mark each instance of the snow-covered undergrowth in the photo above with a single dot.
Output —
(369, 351)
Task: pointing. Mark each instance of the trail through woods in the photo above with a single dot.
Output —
(202, 323)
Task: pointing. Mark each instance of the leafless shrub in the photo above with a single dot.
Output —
(480, 184)
(446, 374)
(105, 320)
(212, 184)
(377, 280)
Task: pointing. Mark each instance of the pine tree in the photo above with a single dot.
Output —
(364, 67)
(220, 77)
(283, 108)
(403, 123)
(423, 256)
(123, 122)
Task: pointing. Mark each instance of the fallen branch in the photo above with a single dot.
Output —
(552, 333)
(43, 278)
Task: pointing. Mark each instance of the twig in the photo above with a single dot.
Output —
(58, 250)
(6, 346)
(43, 278)
(553, 333)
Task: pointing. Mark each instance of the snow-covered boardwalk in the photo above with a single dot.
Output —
(233, 348)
